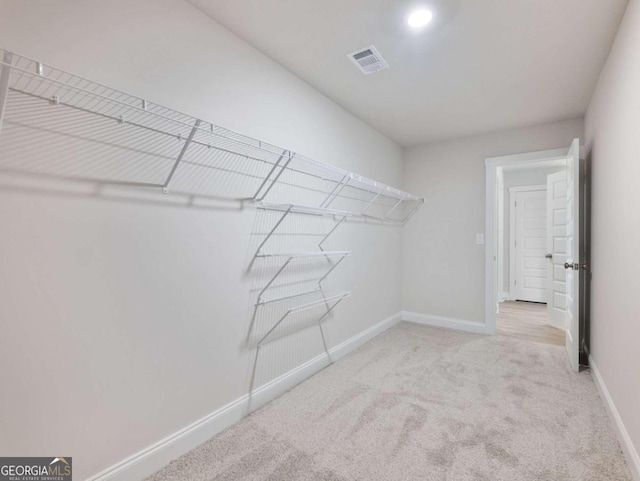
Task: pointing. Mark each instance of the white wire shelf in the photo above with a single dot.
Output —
(288, 297)
(56, 123)
(329, 303)
(303, 209)
(307, 255)
(288, 209)
(340, 255)
(326, 303)
(320, 302)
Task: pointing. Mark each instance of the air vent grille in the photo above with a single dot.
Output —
(368, 60)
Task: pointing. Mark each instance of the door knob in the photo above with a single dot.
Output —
(575, 266)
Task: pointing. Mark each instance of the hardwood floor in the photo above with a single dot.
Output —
(527, 321)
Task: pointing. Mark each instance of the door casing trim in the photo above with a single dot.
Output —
(491, 255)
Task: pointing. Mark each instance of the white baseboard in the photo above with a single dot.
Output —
(154, 457)
(630, 453)
(448, 322)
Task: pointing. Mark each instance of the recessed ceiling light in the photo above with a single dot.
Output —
(420, 18)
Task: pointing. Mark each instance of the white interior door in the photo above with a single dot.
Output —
(573, 262)
(557, 249)
(529, 244)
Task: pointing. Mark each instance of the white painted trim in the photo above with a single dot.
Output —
(512, 247)
(526, 188)
(447, 322)
(491, 256)
(500, 235)
(539, 156)
(630, 452)
(158, 455)
(490, 262)
(512, 232)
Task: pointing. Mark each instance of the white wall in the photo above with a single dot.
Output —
(443, 268)
(518, 178)
(613, 141)
(122, 322)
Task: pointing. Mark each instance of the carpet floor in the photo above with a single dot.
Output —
(423, 403)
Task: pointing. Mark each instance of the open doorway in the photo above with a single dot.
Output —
(531, 291)
(566, 245)
(529, 237)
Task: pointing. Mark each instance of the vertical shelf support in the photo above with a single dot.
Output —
(268, 236)
(386, 216)
(370, 203)
(272, 280)
(420, 204)
(324, 343)
(330, 270)
(260, 301)
(165, 186)
(275, 179)
(336, 191)
(255, 197)
(331, 231)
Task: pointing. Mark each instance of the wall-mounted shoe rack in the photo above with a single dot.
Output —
(57, 124)
(312, 297)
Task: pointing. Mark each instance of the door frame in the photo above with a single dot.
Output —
(491, 215)
(512, 229)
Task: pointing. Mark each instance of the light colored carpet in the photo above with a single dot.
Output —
(422, 403)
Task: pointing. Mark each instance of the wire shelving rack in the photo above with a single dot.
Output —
(59, 125)
(96, 133)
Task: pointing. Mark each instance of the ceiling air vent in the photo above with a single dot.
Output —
(368, 60)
